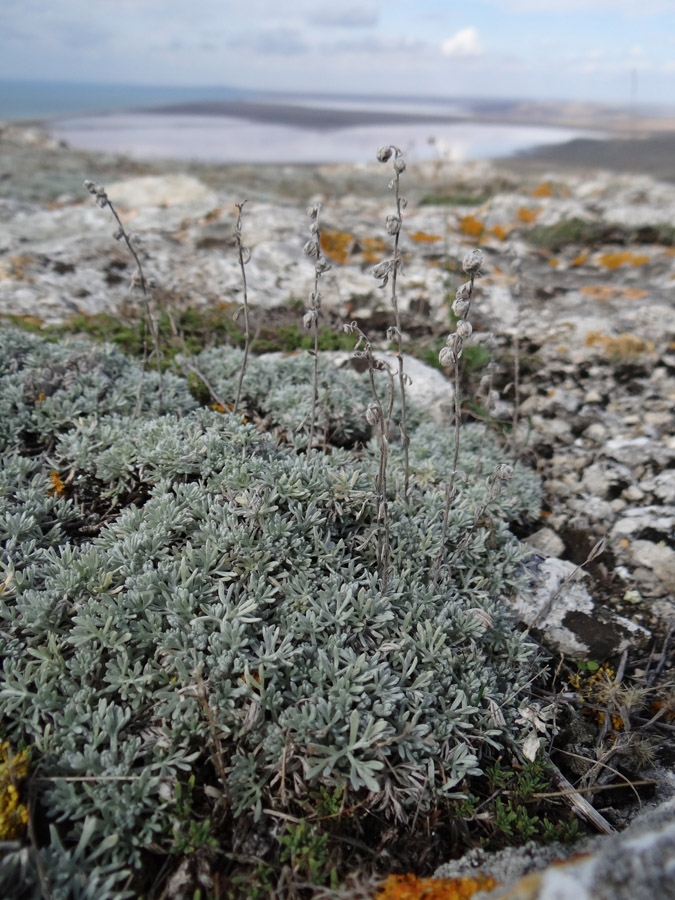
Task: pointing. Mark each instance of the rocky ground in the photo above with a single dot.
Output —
(578, 289)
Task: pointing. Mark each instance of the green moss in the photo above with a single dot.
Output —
(562, 234)
(516, 808)
(454, 199)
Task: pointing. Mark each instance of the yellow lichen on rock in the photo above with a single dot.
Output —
(471, 225)
(410, 887)
(13, 815)
(622, 345)
(337, 245)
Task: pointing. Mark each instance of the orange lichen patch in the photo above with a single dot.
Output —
(597, 688)
(410, 887)
(372, 248)
(625, 257)
(218, 407)
(579, 260)
(501, 232)
(656, 706)
(41, 397)
(58, 488)
(601, 292)
(543, 190)
(604, 292)
(471, 225)
(623, 345)
(421, 237)
(13, 815)
(624, 542)
(337, 245)
(553, 262)
(212, 215)
(527, 215)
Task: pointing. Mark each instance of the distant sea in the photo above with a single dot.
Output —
(220, 124)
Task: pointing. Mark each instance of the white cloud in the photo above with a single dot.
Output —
(463, 45)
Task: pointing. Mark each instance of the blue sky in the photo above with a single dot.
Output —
(551, 49)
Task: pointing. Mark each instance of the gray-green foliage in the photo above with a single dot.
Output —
(47, 387)
(248, 567)
(279, 386)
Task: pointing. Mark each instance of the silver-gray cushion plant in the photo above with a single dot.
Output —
(233, 568)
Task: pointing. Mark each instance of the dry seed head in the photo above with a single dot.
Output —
(399, 165)
(472, 262)
(461, 308)
(393, 224)
(313, 211)
(309, 318)
(464, 329)
(384, 153)
(463, 292)
(447, 357)
(311, 248)
(504, 472)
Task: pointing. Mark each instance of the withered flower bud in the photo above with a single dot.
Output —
(463, 292)
(504, 472)
(472, 262)
(384, 153)
(309, 319)
(447, 357)
(461, 307)
(393, 224)
(464, 329)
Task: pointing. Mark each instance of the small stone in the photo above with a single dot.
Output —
(547, 542)
(568, 618)
(659, 558)
(557, 429)
(662, 486)
(596, 432)
(635, 451)
(633, 493)
(655, 519)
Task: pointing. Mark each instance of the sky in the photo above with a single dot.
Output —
(616, 51)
